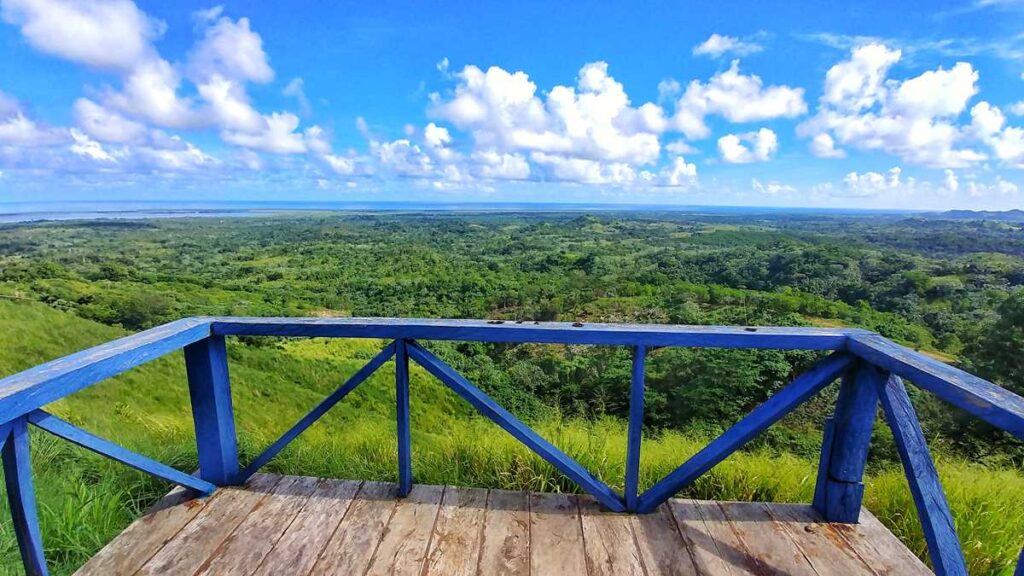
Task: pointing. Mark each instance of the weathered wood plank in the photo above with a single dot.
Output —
(714, 546)
(556, 535)
(769, 412)
(403, 548)
(608, 541)
(662, 548)
(505, 550)
(192, 545)
(770, 546)
(147, 535)
(298, 549)
(243, 551)
(352, 545)
(458, 533)
(783, 338)
(827, 552)
(879, 548)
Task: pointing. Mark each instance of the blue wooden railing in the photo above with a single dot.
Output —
(870, 369)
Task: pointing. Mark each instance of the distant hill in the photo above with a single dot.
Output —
(1002, 216)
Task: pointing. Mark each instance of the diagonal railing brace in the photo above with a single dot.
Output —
(520, 431)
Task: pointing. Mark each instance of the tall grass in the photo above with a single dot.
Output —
(86, 500)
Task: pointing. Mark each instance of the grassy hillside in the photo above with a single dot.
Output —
(85, 500)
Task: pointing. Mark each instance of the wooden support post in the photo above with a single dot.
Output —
(209, 387)
(840, 488)
(402, 411)
(925, 487)
(22, 498)
(636, 426)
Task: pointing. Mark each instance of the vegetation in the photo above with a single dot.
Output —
(948, 288)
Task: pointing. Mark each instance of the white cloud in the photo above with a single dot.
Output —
(230, 49)
(771, 188)
(716, 45)
(111, 34)
(914, 119)
(1017, 108)
(737, 98)
(88, 148)
(497, 166)
(988, 125)
(749, 147)
(592, 122)
(296, 89)
(873, 183)
(277, 135)
(823, 146)
(319, 146)
(680, 148)
(105, 125)
(679, 172)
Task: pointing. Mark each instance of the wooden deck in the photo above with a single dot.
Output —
(300, 525)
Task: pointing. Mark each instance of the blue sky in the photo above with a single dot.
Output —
(871, 104)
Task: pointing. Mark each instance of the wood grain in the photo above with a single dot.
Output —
(352, 545)
(770, 546)
(608, 541)
(715, 547)
(190, 547)
(556, 536)
(300, 546)
(662, 548)
(244, 550)
(827, 552)
(403, 548)
(505, 550)
(873, 542)
(458, 533)
(147, 535)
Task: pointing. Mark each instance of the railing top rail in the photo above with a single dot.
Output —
(798, 338)
(36, 387)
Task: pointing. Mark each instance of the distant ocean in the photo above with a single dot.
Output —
(37, 211)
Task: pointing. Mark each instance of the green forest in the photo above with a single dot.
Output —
(950, 287)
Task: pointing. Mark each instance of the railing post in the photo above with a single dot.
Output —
(402, 413)
(209, 388)
(636, 425)
(21, 496)
(840, 488)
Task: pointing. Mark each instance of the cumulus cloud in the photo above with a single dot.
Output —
(737, 98)
(717, 45)
(749, 147)
(988, 125)
(112, 34)
(587, 133)
(914, 119)
(823, 146)
(771, 188)
(105, 125)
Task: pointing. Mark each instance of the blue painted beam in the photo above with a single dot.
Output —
(990, 402)
(502, 417)
(318, 411)
(402, 417)
(1020, 564)
(932, 508)
(36, 387)
(209, 389)
(771, 411)
(842, 489)
(636, 426)
(22, 498)
(76, 435)
(800, 338)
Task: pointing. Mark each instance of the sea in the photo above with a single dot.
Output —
(42, 211)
